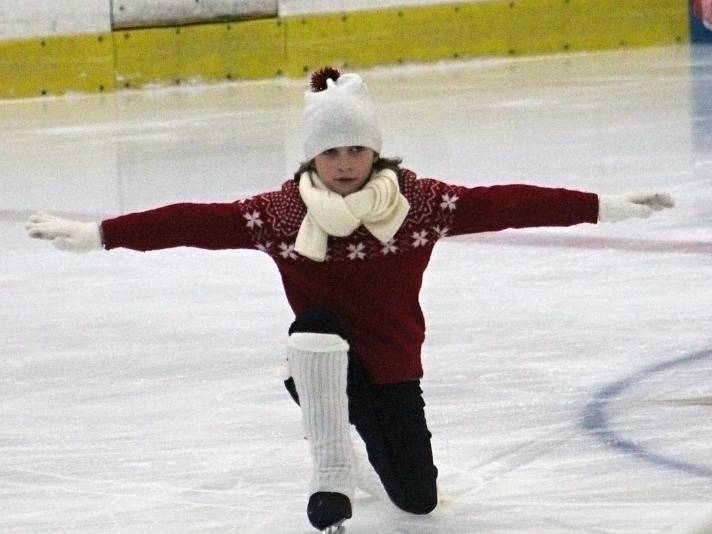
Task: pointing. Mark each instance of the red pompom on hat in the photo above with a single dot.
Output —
(318, 78)
(338, 112)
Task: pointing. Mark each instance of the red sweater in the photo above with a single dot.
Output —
(373, 287)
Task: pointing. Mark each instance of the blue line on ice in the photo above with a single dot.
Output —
(595, 419)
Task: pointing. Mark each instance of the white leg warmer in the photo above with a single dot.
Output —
(318, 363)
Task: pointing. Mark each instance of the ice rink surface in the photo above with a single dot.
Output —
(568, 371)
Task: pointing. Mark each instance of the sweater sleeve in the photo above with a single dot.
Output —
(493, 208)
(207, 226)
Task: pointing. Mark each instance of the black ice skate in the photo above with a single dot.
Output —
(327, 510)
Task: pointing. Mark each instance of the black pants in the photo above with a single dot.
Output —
(391, 421)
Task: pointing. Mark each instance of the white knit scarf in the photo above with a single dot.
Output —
(379, 206)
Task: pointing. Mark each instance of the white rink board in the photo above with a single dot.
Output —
(32, 18)
(289, 8)
(137, 13)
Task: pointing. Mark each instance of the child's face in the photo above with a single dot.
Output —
(345, 169)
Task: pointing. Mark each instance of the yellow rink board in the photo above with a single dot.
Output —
(521, 27)
(292, 46)
(56, 65)
(244, 50)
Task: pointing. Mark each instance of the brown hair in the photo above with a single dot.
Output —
(379, 164)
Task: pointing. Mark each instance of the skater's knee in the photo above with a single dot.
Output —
(319, 321)
(419, 504)
(420, 499)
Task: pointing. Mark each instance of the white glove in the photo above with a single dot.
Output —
(72, 236)
(615, 208)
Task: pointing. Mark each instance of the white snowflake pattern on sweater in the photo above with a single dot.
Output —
(357, 251)
(389, 248)
(419, 238)
(287, 251)
(253, 219)
(264, 247)
(440, 232)
(449, 201)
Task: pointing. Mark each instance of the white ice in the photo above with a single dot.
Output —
(568, 371)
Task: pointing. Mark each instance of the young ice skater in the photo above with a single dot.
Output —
(351, 235)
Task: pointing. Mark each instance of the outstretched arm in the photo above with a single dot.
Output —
(210, 226)
(487, 209)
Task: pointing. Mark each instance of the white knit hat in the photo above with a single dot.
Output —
(340, 115)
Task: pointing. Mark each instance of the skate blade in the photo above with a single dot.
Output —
(337, 528)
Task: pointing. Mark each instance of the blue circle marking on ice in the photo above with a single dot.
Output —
(595, 420)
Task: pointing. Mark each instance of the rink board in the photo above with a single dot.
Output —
(293, 46)
(57, 65)
(481, 29)
(246, 50)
